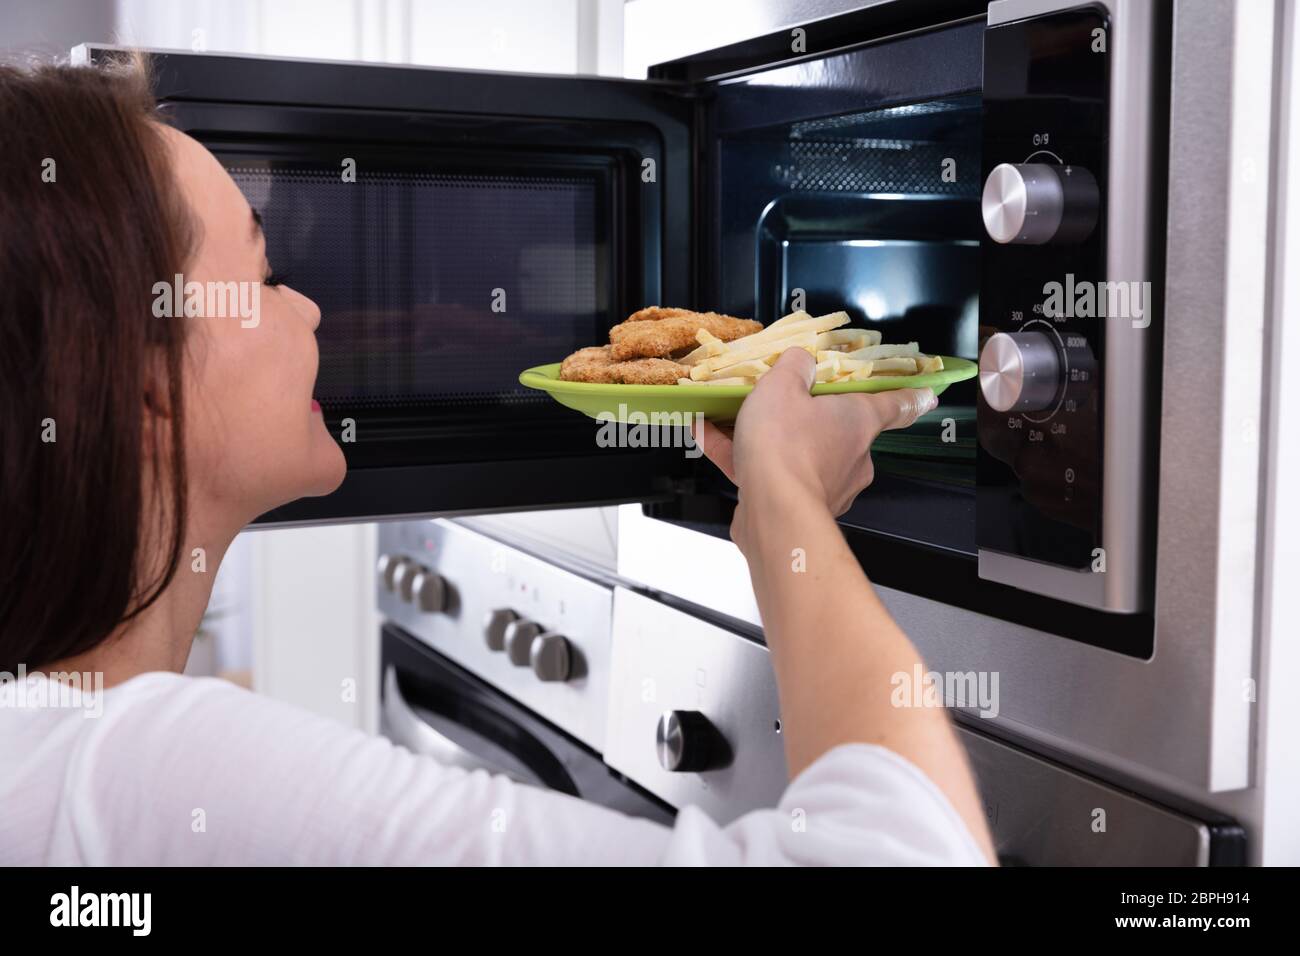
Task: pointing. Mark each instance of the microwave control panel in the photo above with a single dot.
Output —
(1042, 330)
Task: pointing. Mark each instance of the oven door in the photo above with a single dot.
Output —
(455, 228)
(434, 707)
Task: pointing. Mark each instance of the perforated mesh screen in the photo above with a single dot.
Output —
(408, 267)
(880, 166)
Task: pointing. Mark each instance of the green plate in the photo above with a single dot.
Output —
(719, 403)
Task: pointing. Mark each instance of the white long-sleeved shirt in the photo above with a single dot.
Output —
(180, 770)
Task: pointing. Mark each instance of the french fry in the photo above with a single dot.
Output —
(894, 366)
(749, 368)
(827, 370)
(781, 329)
(846, 364)
(873, 352)
(862, 373)
(842, 340)
(729, 380)
(929, 363)
(790, 319)
(741, 352)
(710, 345)
(777, 332)
(847, 340)
(822, 323)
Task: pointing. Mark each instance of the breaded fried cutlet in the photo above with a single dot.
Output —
(596, 364)
(658, 332)
(654, 313)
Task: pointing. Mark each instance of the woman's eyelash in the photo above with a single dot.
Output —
(276, 278)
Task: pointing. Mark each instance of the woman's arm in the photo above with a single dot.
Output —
(798, 462)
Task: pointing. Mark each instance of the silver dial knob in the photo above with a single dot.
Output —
(686, 741)
(429, 591)
(1036, 203)
(494, 627)
(550, 657)
(1020, 371)
(519, 641)
(404, 578)
(386, 568)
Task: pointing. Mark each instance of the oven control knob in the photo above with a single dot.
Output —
(429, 591)
(404, 578)
(1020, 371)
(1036, 203)
(520, 635)
(688, 742)
(551, 657)
(386, 568)
(494, 627)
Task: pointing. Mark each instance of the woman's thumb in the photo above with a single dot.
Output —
(797, 364)
(902, 407)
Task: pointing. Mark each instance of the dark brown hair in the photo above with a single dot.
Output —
(91, 216)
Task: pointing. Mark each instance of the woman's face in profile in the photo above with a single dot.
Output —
(255, 438)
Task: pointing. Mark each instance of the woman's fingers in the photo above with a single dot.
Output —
(717, 446)
(901, 407)
(794, 369)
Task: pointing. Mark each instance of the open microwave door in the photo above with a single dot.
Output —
(455, 228)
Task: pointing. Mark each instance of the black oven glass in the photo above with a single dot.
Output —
(435, 288)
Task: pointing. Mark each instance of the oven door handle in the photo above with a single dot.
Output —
(404, 726)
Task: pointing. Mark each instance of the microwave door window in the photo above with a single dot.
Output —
(435, 289)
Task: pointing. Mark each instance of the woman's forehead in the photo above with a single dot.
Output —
(208, 188)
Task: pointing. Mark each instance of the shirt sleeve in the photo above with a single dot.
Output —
(184, 771)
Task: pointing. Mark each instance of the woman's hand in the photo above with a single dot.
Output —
(787, 442)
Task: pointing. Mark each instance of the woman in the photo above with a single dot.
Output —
(132, 439)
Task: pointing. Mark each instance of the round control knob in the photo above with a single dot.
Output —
(404, 578)
(494, 627)
(519, 640)
(550, 657)
(1020, 371)
(688, 742)
(429, 591)
(386, 568)
(1035, 203)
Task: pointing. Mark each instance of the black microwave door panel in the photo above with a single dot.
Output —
(456, 227)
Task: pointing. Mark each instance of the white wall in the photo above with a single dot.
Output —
(543, 36)
(315, 626)
(50, 28)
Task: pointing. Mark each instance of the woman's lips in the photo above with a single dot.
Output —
(315, 405)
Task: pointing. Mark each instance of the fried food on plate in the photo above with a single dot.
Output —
(711, 349)
(654, 313)
(596, 364)
(658, 332)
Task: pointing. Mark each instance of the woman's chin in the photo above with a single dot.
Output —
(332, 467)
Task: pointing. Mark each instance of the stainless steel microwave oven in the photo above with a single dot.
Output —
(932, 168)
